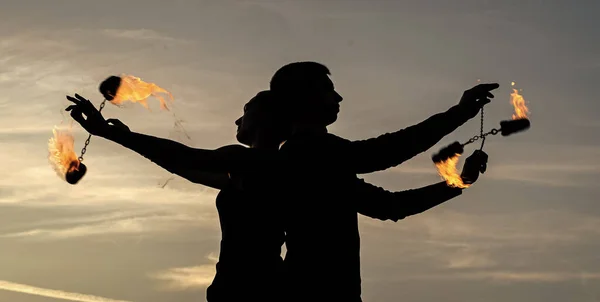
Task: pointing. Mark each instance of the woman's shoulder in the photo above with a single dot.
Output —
(232, 148)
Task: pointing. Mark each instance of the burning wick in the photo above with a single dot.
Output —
(62, 157)
(518, 102)
(520, 120)
(445, 162)
(130, 88)
(447, 170)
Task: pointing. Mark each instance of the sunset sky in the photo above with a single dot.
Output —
(528, 230)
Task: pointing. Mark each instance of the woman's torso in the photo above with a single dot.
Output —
(250, 263)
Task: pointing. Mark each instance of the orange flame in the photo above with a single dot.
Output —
(447, 170)
(518, 102)
(135, 90)
(61, 155)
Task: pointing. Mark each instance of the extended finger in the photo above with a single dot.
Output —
(81, 98)
(71, 107)
(487, 86)
(85, 102)
(74, 100)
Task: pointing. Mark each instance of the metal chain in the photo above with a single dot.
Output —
(477, 137)
(481, 135)
(87, 141)
(481, 130)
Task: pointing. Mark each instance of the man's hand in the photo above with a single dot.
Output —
(474, 99)
(93, 122)
(474, 164)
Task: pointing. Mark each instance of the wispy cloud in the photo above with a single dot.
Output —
(187, 278)
(140, 34)
(53, 293)
(512, 276)
(123, 226)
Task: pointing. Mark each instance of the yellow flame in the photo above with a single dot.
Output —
(135, 90)
(61, 154)
(447, 170)
(518, 102)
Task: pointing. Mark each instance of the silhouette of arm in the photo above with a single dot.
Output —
(180, 159)
(392, 149)
(378, 203)
(214, 180)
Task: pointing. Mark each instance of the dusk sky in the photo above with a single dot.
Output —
(528, 230)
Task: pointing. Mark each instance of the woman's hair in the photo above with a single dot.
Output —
(264, 101)
(268, 115)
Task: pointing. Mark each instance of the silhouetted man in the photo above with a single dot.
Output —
(322, 237)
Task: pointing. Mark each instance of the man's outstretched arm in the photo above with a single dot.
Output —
(392, 149)
(378, 203)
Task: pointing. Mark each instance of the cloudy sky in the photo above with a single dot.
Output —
(529, 230)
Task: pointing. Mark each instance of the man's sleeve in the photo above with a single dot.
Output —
(392, 149)
(378, 203)
(175, 157)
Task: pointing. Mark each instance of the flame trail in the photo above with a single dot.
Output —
(135, 90)
(518, 102)
(53, 293)
(61, 153)
(447, 170)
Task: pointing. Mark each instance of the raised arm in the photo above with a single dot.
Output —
(378, 203)
(175, 157)
(392, 149)
(214, 180)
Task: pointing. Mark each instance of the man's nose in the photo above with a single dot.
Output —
(338, 97)
(238, 121)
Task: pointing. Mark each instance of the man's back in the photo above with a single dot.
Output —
(322, 237)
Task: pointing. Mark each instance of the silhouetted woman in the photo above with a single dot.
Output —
(250, 263)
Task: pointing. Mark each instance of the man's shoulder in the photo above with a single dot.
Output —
(315, 139)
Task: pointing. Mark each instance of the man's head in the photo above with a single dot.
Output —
(263, 118)
(308, 92)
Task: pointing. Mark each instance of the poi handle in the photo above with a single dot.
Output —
(474, 164)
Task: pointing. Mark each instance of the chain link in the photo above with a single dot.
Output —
(477, 137)
(481, 135)
(481, 131)
(87, 141)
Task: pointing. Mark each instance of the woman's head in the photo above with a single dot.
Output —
(263, 121)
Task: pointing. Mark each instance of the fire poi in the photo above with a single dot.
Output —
(62, 156)
(447, 158)
(116, 90)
